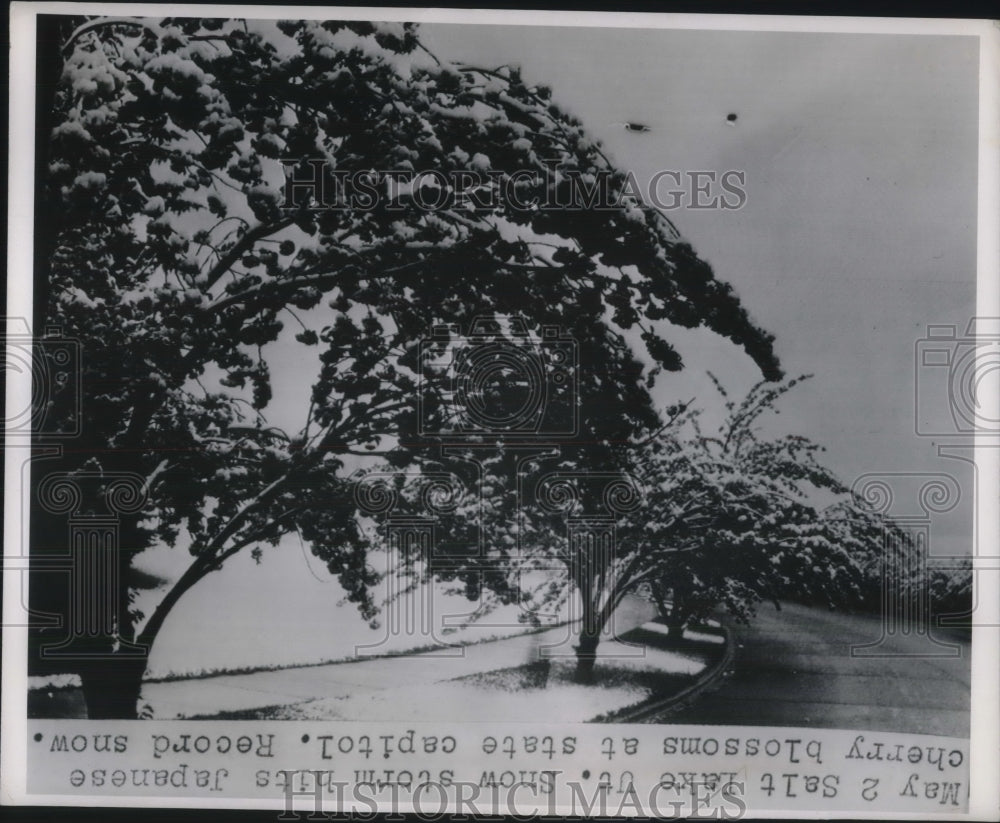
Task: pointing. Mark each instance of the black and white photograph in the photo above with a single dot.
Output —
(595, 414)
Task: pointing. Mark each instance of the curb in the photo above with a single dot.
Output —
(706, 680)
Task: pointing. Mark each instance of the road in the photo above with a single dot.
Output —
(795, 668)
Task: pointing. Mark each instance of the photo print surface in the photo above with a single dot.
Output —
(559, 417)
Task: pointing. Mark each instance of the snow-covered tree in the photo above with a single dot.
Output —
(704, 521)
(172, 246)
(727, 519)
(756, 517)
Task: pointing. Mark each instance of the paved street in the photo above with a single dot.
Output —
(794, 668)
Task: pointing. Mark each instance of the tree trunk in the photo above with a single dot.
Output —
(596, 614)
(674, 616)
(586, 654)
(111, 686)
(675, 632)
(112, 683)
(664, 610)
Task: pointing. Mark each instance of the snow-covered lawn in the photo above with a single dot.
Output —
(527, 677)
(625, 676)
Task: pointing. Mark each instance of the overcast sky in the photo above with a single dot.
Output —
(859, 230)
(859, 227)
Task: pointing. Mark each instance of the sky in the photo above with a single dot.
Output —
(859, 227)
(858, 231)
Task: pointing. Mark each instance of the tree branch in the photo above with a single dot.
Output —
(92, 25)
(245, 243)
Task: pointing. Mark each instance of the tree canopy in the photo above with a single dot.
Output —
(176, 251)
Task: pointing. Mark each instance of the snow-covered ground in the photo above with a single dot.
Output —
(289, 610)
(245, 618)
(526, 677)
(623, 678)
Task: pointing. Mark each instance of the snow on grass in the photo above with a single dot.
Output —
(704, 637)
(541, 690)
(689, 634)
(456, 700)
(236, 621)
(528, 678)
(54, 681)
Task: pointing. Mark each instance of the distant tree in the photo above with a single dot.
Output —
(171, 248)
(952, 591)
(726, 520)
(911, 587)
(759, 521)
(704, 520)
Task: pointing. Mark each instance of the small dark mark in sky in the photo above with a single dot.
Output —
(636, 127)
(731, 118)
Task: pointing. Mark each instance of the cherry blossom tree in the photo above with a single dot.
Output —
(756, 518)
(178, 243)
(725, 519)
